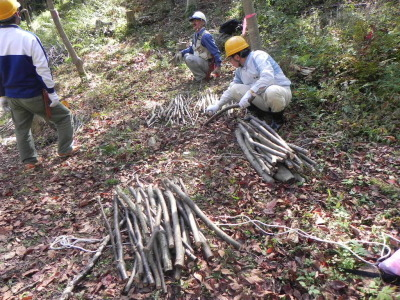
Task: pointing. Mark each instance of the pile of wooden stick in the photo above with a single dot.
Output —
(205, 100)
(175, 112)
(160, 227)
(271, 156)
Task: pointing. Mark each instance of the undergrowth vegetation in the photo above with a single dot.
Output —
(353, 46)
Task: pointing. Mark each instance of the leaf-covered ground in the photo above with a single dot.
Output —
(353, 196)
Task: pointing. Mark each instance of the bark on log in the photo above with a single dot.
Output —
(108, 226)
(179, 251)
(220, 113)
(148, 274)
(193, 225)
(206, 248)
(268, 134)
(251, 159)
(283, 174)
(167, 222)
(262, 146)
(264, 140)
(202, 216)
(118, 242)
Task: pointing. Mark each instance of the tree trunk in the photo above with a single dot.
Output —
(252, 25)
(191, 6)
(75, 58)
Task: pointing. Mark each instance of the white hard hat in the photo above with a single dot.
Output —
(198, 15)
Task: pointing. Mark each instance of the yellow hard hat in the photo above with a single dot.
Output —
(8, 8)
(234, 45)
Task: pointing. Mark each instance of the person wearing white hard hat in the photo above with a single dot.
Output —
(203, 57)
(25, 78)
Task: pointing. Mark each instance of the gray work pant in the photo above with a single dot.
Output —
(22, 112)
(197, 65)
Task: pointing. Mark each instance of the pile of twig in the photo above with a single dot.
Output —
(205, 100)
(271, 156)
(177, 111)
(161, 230)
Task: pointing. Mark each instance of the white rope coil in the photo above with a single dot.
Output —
(69, 241)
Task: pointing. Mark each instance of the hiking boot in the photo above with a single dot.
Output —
(75, 149)
(32, 165)
(277, 120)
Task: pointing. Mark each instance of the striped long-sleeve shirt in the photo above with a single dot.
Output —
(24, 67)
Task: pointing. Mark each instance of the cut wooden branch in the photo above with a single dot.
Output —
(118, 242)
(135, 242)
(156, 230)
(263, 140)
(159, 268)
(263, 164)
(269, 135)
(262, 146)
(148, 274)
(78, 278)
(166, 222)
(250, 157)
(299, 149)
(307, 159)
(193, 225)
(179, 251)
(154, 269)
(136, 209)
(108, 226)
(202, 216)
(206, 248)
(220, 113)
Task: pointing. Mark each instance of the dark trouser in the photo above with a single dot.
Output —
(22, 112)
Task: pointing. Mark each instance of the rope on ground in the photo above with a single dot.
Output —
(69, 241)
(385, 252)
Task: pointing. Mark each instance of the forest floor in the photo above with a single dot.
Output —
(352, 196)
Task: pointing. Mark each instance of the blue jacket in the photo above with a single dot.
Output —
(208, 42)
(24, 68)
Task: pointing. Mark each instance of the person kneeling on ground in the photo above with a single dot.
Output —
(203, 57)
(24, 77)
(258, 81)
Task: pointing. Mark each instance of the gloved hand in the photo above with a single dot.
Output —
(4, 104)
(55, 100)
(245, 101)
(216, 72)
(212, 109)
(178, 58)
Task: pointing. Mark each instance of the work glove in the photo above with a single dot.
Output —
(4, 104)
(212, 109)
(245, 101)
(216, 72)
(178, 58)
(55, 100)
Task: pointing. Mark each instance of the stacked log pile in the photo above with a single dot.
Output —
(181, 110)
(205, 100)
(270, 155)
(175, 112)
(162, 232)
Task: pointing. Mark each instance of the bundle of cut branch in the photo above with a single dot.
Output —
(162, 233)
(177, 111)
(205, 100)
(271, 156)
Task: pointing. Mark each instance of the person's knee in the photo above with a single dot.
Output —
(277, 99)
(237, 90)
